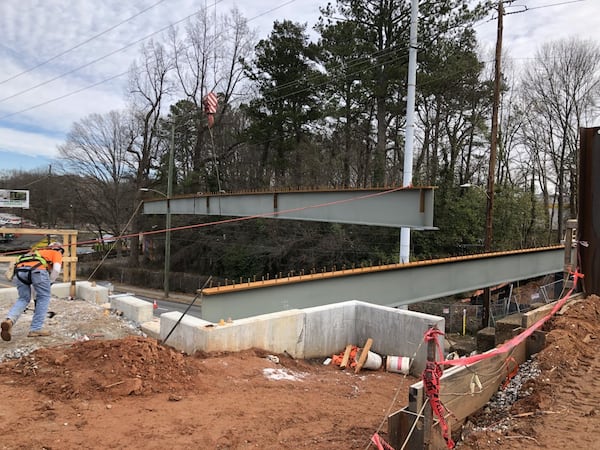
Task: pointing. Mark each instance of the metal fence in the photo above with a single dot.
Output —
(464, 318)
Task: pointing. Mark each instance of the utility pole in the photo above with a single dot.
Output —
(168, 215)
(410, 121)
(489, 216)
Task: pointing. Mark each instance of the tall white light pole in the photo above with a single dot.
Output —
(410, 121)
(168, 221)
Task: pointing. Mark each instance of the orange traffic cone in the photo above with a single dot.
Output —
(155, 305)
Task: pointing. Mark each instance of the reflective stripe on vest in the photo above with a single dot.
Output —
(31, 260)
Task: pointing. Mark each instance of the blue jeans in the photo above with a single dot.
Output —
(40, 281)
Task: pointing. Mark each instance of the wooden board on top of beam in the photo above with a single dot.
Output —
(392, 207)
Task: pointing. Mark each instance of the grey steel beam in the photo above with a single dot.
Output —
(398, 207)
(391, 285)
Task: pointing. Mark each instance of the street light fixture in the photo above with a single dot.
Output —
(476, 186)
(153, 190)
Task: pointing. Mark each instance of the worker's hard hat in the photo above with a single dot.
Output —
(56, 246)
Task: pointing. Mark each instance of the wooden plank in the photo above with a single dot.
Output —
(363, 355)
(40, 231)
(455, 389)
(531, 317)
(346, 356)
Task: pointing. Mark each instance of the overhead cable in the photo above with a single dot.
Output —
(81, 44)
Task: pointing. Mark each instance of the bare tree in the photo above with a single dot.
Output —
(562, 89)
(207, 58)
(96, 149)
(149, 86)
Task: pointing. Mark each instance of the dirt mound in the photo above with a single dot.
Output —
(101, 369)
(133, 392)
(559, 408)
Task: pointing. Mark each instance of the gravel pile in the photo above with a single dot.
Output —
(495, 416)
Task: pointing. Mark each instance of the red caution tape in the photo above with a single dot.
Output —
(431, 382)
(510, 344)
(510, 374)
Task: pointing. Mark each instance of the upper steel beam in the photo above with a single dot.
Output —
(390, 285)
(398, 207)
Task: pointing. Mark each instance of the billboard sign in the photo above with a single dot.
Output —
(13, 198)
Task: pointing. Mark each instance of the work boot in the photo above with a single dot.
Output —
(6, 327)
(38, 333)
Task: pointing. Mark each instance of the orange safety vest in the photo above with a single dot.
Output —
(45, 257)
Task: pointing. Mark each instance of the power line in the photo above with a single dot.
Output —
(105, 56)
(292, 84)
(81, 44)
(63, 96)
(43, 83)
(552, 4)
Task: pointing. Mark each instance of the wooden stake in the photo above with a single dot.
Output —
(364, 353)
(346, 356)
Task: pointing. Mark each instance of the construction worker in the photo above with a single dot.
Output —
(37, 269)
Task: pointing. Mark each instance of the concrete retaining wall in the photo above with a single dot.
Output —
(309, 333)
(396, 332)
(329, 329)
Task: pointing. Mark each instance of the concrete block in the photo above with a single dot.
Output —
(486, 339)
(60, 290)
(535, 343)
(139, 311)
(188, 334)
(8, 296)
(95, 294)
(152, 328)
(506, 328)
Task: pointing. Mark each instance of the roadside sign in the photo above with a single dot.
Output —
(13, 198)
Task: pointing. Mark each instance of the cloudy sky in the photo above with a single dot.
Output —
(61, 60)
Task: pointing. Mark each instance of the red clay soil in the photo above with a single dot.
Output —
(131, 392)
(134, 393)
(563, 410)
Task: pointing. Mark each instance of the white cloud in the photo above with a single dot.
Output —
(36, 30)
(524, 32)
(27, 143)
